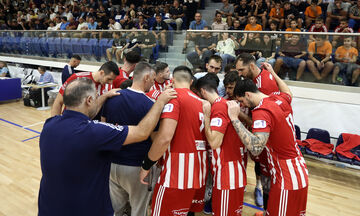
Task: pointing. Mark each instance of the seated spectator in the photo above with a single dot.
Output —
(342, 28)
(249, 44)
(118, 47)
(159, 30)
(142, 23)
(219, 24)
(267, 51)
(64, 23)
(69, 69)
(176, 15)
(273, 27)
(291, 55)
(72, 24)
(205, 44)
(354, 15)
(319, 61)
(92, 24)
(227, 11)
(277, 14)
(317, 27)
(242, 13)
(345, 57)
(236, 26)
(127, 22)
(253, 26)
(147, 42)
(260, 12)
(4, 71)
(197, 24)
(225, 48)
(293, 28)
(113, 25)
(291, 13)
(312, 12)
(336, 11)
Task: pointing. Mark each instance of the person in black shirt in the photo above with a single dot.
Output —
(147, 42)
(291, 13)
(260, 12)
(159, 29)
(176, 15)
(118, 47)
(242, 12)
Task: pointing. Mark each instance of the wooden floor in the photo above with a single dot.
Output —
(332, 190)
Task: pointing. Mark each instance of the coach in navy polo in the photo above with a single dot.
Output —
(74, 153)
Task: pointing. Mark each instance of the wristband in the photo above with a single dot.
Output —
(147, 163)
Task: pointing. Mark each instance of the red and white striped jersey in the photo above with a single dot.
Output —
(286, 164)
(153, 94)
(160, 86)
(227, 160)
(265, 82)
(123, 75)
(184, 164)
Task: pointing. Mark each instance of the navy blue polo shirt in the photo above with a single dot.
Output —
(74, 154)
(66, 73)
(128, 108)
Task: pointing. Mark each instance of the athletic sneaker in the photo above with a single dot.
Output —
(258, 197)
(208, 208)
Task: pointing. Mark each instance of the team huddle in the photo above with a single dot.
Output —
(181, 124)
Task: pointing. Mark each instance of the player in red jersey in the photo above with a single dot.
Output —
(162, 78)
(101, 78)
(181, 145)
(130, 60)
(226, 163)
(274, 131)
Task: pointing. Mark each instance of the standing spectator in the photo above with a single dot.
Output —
(226, 48)
(190, 7)
(336, 11)
(205, 43)
(261, 11)
(159, 30)
(293, 28)
(242, 12)
(197, 24)
(219, 24)
(317, 27)
(319, 62)
(176, 15)
(354, 15)
(113, 25)
(342, 28)
(291, 13)
(227, 11)
(312, 12)
(69, 69)
(291, 55)
(345, 57)
(277, 14)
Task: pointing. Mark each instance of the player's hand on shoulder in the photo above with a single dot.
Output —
(206, 108)
(233, 109)
(167, 95)
(112, 93)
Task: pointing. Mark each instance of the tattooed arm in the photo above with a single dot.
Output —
(256, 142)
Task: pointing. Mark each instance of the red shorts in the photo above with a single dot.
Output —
(172, 201)
(287, 202)
(227, 202)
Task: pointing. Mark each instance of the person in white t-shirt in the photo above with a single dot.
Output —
(226, 49)
(113, 25)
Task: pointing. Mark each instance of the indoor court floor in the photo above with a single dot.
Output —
(332, 191)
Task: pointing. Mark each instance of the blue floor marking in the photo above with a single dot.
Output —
(17, 125)
(253, 206)
(30, 138)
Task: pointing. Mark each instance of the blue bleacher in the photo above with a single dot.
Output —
(321, 135)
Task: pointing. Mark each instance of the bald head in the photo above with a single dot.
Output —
(78, 90)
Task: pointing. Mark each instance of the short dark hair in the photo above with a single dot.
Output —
(244, 85)
(209, 82)
(140, 69)
(186, 73)
(77, 90)
(246, 58)
(319, 19)
(216, 58)
(160, 67)
(127, 83)
(110, 67)
(64, 18)
(322, 37)
(42, 68)
(132, 57)
(76, 57)
(231, 77)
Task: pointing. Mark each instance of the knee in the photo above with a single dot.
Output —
(279, 61)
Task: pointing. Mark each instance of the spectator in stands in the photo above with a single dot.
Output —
(159, 30)
(69, 69)
(118, 47)
(253, 26)
(176, 15)
(226, 11)
(242, 13)
(342, 28)
(4, 71)
(225, 48)
(197, 24)
(261, 11)
(267, 52)
(293, 28)
(336, 11)
(113, 25)
(147, 42)
(142, 23)
(277, 14)
(312, 13)
(291, 55)
(67, 13)
(190, 7)
(354, 15)
(205, 44)
(72, 24)
(317, 27)
(291, 13)
(64, 23)
(345, 57)
(249, 44)
(219, 24)
(319, 62)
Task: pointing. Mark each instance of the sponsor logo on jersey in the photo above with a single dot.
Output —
(216, 122)
(182, 212)
(168, 108)
(200, 145)
(278, 102)
(259, 124)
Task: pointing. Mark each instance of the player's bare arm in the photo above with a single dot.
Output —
(256, 142)
(214, 138)
(281, 84)
(57, 105)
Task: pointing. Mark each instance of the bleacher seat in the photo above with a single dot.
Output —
(103, 45)
(24, 45)
(52, 47)
(67, 47)
(58, 46)
(321, 135)
(77, 45)
(44, 46)
(35, 46)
